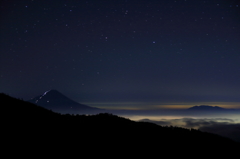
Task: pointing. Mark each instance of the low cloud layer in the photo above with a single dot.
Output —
(221, 126)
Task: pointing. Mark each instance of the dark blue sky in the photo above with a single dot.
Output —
(123, 53)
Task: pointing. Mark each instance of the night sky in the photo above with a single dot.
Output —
(123, 54)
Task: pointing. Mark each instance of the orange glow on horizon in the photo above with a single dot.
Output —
(152, 106)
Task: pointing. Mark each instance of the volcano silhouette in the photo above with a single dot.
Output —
(206, 108)
(56, 101)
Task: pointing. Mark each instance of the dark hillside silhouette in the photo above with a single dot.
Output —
(30, 128)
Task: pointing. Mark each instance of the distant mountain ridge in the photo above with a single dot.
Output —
(56, 101)
(207, 108)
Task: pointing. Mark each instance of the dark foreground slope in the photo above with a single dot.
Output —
(33, 131)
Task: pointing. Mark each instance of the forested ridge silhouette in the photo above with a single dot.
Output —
(31, 128)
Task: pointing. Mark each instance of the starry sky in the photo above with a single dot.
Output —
(123, 54)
